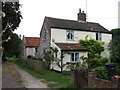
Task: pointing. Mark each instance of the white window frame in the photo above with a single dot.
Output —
(74, 57)
(99, 37)
(71, 32)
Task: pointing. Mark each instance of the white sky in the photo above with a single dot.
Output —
(104, 12)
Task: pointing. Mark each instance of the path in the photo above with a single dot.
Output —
(8, 80)
(28, 80)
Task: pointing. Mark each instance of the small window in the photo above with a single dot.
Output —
(70, 35)
(44, 35)
(74, 57)
(56, 55)
(36, 50)
(99, 36)
(43, 52)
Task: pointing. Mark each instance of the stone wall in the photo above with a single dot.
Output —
(44, 44)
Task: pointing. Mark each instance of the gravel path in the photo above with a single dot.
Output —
(8, 80)
(28, 80)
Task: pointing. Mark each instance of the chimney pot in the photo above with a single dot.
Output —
(82, 11)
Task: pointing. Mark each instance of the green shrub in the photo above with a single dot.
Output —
(101, 72)
(40, 59)
(34, 58)
(117, 68)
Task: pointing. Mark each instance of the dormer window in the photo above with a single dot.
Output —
(70, 35)
(99, 36)
(44, 35)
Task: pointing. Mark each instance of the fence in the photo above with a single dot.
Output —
(36, 65)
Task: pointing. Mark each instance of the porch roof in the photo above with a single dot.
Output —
(71, 47)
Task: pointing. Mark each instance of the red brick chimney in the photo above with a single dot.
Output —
(81, 16)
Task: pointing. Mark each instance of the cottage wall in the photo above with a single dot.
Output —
(30, 51)
(59, 35)
(44, 44)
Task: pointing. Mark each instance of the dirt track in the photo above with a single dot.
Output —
(28, 80)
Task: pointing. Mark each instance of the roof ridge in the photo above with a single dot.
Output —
(69, 20)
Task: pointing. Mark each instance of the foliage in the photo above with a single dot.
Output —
(114, 46)
(101, 72)
(29, 56)
(13, 15)
(14, 59)
(93, 46)
(13, 46)
(117, 68)
(78, 65)
(9, 23)
(94, 49)
(49, 56)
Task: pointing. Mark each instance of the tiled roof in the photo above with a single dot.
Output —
(32, 41)
(71, 47)
(75, 25)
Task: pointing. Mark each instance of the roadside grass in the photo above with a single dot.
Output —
(14, 59)
(53, 79)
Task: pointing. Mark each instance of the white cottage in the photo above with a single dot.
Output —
(65, 34)
(29, 46)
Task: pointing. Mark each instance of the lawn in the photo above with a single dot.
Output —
(52, 78)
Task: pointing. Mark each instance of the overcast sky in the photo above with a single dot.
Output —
(104, 12)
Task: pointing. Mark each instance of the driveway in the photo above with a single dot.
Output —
(28, 80)
(18, 78)
(10, 78)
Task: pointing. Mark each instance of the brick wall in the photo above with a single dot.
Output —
(94, 82)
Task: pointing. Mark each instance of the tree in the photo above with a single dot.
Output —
(115, 46)
(13, 46)
(94, 49)
(10, 22)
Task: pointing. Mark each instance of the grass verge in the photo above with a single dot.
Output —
(53, 79)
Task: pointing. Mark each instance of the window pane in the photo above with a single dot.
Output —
(96, 36)
(76, 56)
(100, 37)
(72, 57)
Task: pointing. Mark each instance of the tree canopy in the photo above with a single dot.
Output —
(115, 46)
(11, 22)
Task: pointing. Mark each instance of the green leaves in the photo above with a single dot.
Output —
(114, 46)
(95, 48)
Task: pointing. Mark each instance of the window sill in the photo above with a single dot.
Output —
(70, 40)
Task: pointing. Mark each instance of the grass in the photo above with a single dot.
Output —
(53, 79)
(14, 59)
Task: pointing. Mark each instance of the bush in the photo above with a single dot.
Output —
(34, 58)
(101, 72)
(97, 61)
(29, 56)
(40, 59)
(117, 68)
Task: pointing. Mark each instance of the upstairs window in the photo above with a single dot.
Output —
(99, 36)
(74, 57)
(70, 35)
(44, 35)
